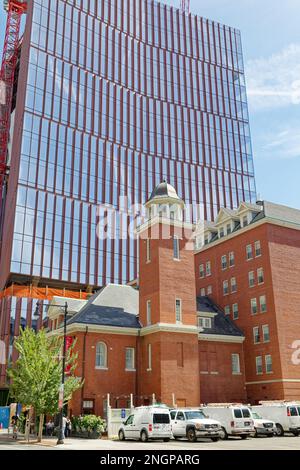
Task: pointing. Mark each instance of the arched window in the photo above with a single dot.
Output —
(101, 356)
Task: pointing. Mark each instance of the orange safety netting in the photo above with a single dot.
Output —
(46, 293)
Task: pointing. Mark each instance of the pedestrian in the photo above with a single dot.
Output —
(68, 427)
(49, 428)
(64, 425)
(14, 423)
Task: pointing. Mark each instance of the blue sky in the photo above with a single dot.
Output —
(271, 43)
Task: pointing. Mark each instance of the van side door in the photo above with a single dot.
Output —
(129, 427)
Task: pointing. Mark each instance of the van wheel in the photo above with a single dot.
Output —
(279, 430)
(296, 433)
(166, 440)
(244, 436)
(223, 434)
(214, 439)
(144, 436)
(121, 435)
(191, 435)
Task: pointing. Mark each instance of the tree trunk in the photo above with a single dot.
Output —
(41, 427)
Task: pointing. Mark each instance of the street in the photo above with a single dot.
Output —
(275, 443)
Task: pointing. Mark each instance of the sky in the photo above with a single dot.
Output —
(271, 44)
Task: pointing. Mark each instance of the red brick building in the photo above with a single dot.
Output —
(190, 331)
(248, 262)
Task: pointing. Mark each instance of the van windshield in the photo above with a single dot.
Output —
(256, 415)
(161, 418)
(194, 415)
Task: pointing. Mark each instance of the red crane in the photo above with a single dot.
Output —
(15, 10)
(185, 5)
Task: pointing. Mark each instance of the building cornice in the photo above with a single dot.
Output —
(207, 314)
(221, 338)
(265, 220)
(257, 382)
(170, 328)
(165, 221)
(81, 327)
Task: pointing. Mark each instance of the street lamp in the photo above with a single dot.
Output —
(61, 436)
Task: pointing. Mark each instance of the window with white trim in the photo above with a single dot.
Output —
(208, 268)
(258, 363)
(257, 248)
(227, 309)
(149, 348)
(202, 292)
(245, 221)
(231, 259)
(148, 250)
(228, 229)
(178, 310)
(269, 364)
(263, 304)
(260, 276)
(201, 271)
(130, 359)
(249, 252)
(233, 285)
(209, 290)
(149, 319)
(225, 287)
(251, 278)
(256, 335)
(235, 311)
(221, 232)
(235, 364)
(176, 251)
(224, 262)
(266, 333)
(101, 356)
(253, 303)
(204, 322)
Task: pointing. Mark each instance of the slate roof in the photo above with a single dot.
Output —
(113, 305)
(221, 323)
(164, 189)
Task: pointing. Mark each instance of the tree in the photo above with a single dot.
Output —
(36, 375)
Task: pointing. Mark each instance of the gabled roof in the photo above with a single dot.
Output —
(113, 305)
(225, 214)
(222, 324)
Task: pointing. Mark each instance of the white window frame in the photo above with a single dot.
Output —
(148, 251)
(224, 265)
(149, 354)
(205, 322)
(202, 292)
(104, 366)
(176, 311)
(235, 311)
(260, 303)
(235, 356)
(227, 310)
(260, 270)
(149, 316)
(132, 365)
(266, 364)
(259, 359)
(256, 335)
(263, 333)
(201, 271)
(249, 279)
(176, 248)
(231, 259)
(209, 290)
(208, 268)
(249, 255)
(252, 303)
(233, 285)
(227, 284)
(257, 243)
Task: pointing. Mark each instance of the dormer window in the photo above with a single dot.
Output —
(245, 221)
(228, 229)
(222, 232)
(206, 240)
(204, 322)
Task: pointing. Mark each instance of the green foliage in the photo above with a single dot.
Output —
(90, 423)
(36, 375)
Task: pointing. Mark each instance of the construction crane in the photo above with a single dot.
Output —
(185, 6)
(15, 9)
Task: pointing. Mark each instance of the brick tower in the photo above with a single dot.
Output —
(168, 357)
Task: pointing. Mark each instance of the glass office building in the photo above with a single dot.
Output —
(114, 96)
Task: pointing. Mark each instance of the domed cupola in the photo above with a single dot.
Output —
(164, 201)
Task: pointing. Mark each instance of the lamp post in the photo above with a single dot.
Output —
(61, 436)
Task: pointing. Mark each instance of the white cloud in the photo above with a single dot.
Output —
(274, 81)
(284, 144)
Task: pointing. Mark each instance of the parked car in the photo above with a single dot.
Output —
(263, 427)
(147, 423)
(286, 415)
(193, 424)
(235, 420)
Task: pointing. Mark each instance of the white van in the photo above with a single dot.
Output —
(262, 426)
(235, 420)
(286, 415)
(147, 422)
(193, 424)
